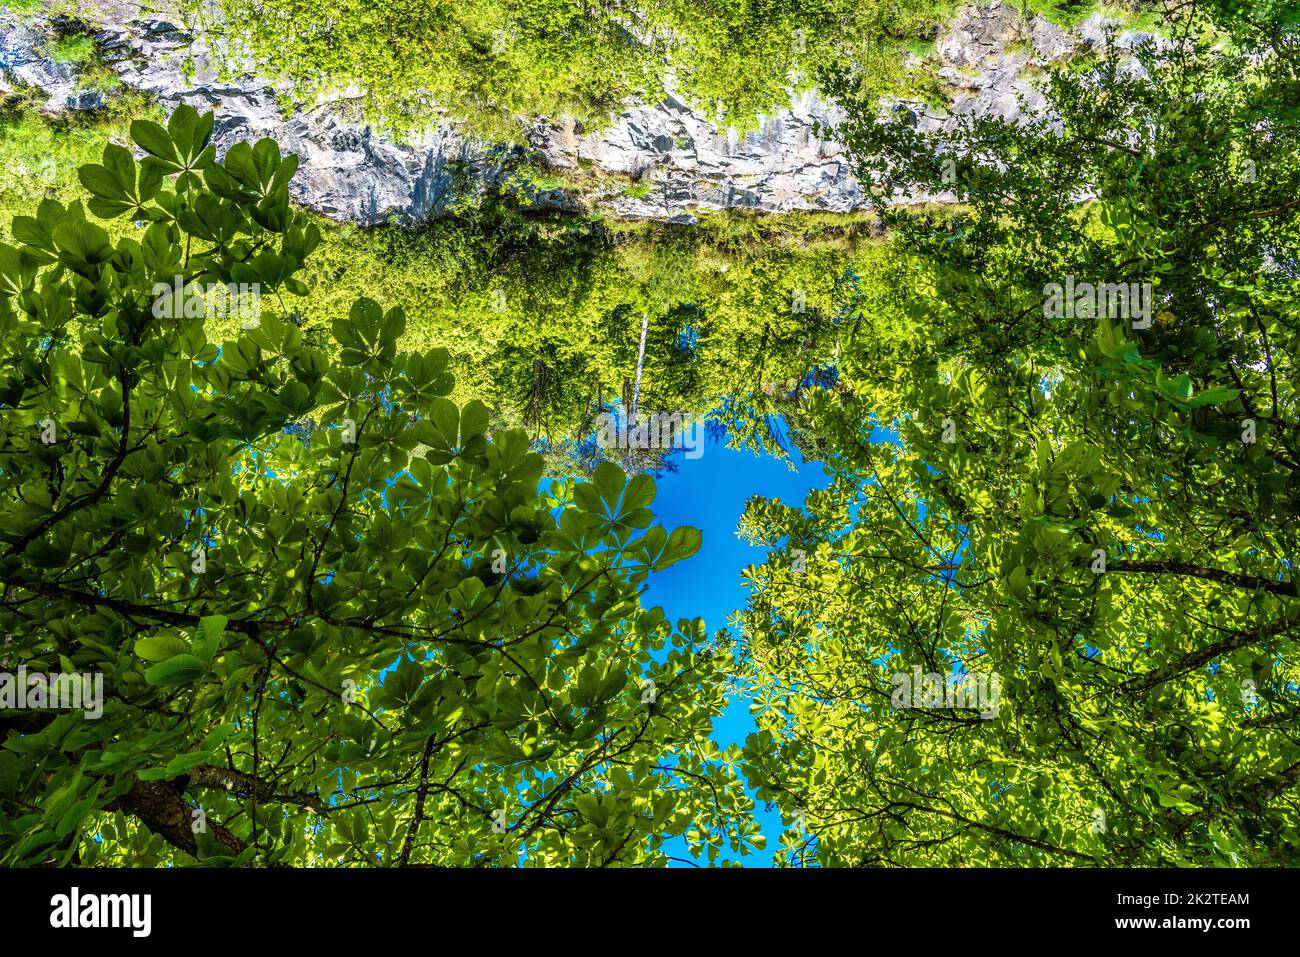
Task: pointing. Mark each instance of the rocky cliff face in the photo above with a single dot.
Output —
(661, 160)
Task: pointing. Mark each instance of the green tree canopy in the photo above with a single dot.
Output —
(374, 644)
(1097, 506)
(494, 63)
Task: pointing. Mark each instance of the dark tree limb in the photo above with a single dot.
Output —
(1235, 579)
(160, 807)
(1203, 656)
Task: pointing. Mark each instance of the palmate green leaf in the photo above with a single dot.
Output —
(1179, 388)
(473, 420)
(590, 682)
(190, 132)
(608, 482)
(105, 186)
(152, 176)
(241, 163)
(73, 816)
(157, 142)
(161, 647)
(79, 242)
(38, 230)
(425, 375)
(113, 185)
(176, 670)
(1178, 802)
(369, 334)
(440, 431)
(32, 848)
(638, 494)
(1215, 395)
(208, 637)
(222, 183)
(662, 550)
(620, 502)
(17, 269)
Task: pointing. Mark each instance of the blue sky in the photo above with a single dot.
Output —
(710, 493)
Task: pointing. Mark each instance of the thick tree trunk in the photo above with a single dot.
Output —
(161, 808)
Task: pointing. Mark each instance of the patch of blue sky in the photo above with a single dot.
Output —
(710, 493)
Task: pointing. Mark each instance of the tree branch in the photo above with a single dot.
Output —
(161, 808)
